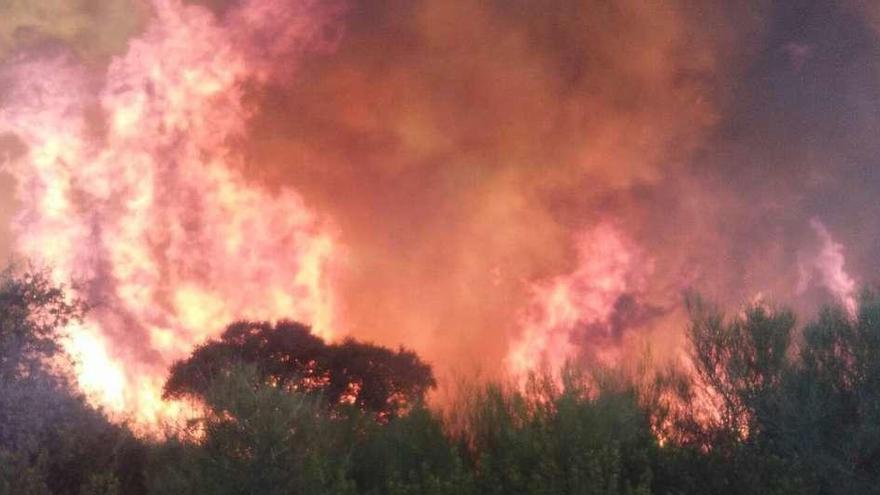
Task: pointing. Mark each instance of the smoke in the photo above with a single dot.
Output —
(94, 30)
(496, 184)
(465, 147)
(828, 266)
(127, 185)
(585, 311)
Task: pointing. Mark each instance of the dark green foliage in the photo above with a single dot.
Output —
(740, 363)
(410, 455)
(288, 356)
(19, 473)
(577, 440)
(51, 441)
(792, 418)
(830, 419)
(32, 314)
(764, 408)
(258, 439)
(261, 439)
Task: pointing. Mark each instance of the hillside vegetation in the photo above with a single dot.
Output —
(767, 406)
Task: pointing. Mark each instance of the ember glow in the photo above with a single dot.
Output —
(500, 186)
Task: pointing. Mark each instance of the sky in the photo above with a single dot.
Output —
(495, 184)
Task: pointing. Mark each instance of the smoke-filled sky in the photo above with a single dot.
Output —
(497, 184)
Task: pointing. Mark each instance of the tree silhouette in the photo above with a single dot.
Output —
(51, 439)
(33, 314)
(288, 356)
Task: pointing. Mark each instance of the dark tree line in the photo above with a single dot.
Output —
(797, 411)
(289, 357)
(766, 406)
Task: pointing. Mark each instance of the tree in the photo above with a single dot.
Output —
(288, 356)
(33, 315)
(794, 413)
(831, 418)
(739, 365)
(586, 437)
(729, 415)
(51, 440)
(257, 438)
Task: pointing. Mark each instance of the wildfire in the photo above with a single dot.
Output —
(472, 182)
(580, 304)
(828, 264)
(144, 205)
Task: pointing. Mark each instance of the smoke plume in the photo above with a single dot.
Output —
(499, 185)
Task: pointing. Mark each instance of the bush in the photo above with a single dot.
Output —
(577, 439)
(51, 440)
(258, 439)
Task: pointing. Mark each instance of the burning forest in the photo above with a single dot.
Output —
(431, 246)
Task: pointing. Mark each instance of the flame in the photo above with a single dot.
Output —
(828, 264)
(608, 267)
(454, 146)
(146, 205)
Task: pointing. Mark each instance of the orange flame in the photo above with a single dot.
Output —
(608, 267)
(149, 212)
(828, 265)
